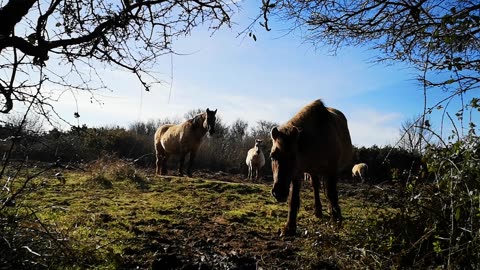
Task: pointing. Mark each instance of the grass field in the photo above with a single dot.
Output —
(113, 216)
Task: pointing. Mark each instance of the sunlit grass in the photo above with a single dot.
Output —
(105, 213)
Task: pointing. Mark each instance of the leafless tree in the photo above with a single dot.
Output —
(440, 34)
(433, 36)
(238, 130)
(262, 130)
(37, 36)
(413, 136)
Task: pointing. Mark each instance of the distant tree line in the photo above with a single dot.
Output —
(223, 151)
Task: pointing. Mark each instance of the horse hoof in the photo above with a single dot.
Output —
(288, 231)
(336, 220)
(319, 214)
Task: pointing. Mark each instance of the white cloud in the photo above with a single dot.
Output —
(369, 126)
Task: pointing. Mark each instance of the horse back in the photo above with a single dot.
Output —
(342, 135)
(160, 131)
(324, 144)
(179, 138)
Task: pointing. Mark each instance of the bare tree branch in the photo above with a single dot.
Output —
(131, 35)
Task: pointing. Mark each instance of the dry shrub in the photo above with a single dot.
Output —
(110, 169)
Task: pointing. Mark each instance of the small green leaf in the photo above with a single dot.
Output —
(436, 247)
(32, 38)
(451, 80)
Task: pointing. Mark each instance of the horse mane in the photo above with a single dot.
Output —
(314, 113)
(197, 120)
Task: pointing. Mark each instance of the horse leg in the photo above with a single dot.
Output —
(182, 161)
(315, 180)
(164, 165)
(193, 154)
(293, 206)
(160, 155)
(332, 195)
(158, 165)
(249, 172)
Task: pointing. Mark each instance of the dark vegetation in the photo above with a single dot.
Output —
(224, 151)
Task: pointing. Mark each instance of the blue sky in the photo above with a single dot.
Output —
(270, 79)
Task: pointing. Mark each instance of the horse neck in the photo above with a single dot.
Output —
(199, 124)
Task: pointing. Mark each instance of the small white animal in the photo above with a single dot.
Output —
(360, 170)
(255, 160)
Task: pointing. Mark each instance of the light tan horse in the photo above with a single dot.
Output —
(315, 141)
(182, 139)
(360, 170)
(255, 160)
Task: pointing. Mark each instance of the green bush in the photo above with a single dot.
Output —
(447, 212)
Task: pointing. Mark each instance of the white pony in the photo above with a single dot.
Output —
(255, 160)
(360, 170)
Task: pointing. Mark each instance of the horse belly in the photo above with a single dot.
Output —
(319, 157)
(170, 143)
(261, 160)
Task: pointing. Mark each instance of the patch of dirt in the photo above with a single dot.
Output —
(211, 245)
(216, 243)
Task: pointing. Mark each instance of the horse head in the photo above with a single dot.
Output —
(284, 160)
(258, 144)
(209, 123)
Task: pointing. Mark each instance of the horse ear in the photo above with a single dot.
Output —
(275, 133)
(296, 132)
(208, 111)
(215, 111)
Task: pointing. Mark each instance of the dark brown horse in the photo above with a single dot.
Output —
(182, 139)
(315, 141)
